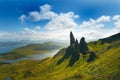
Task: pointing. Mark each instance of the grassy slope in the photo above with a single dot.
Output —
(105, 67)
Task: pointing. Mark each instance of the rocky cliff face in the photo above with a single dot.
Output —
(75, 49)
(72, 39)
(83, 46)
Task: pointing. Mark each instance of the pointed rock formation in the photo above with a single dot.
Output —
(76, 44)
(75, 49)
(72, 39)
(83, 46)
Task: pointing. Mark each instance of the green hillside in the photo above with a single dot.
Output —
(104, 66)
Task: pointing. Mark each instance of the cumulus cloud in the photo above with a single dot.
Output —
(116, 22)
(60, 24)
(22, 18)
(62, 21)
(45, 8)
(45, 13)
(103, 19)
(116, 17)
(91, 24)
(28, 31)
(117, 25)
(95, 29)
(56, 20)
(96, 23)
(37, 28)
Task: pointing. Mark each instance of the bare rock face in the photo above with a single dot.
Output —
(76, 44)
(83, 46)
(72, 39)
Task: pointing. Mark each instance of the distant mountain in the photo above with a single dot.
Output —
(50, 45)
(33, 48)
(9, 46)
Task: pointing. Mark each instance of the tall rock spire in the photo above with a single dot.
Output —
(72, 39)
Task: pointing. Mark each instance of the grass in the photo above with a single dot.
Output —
(105, 67)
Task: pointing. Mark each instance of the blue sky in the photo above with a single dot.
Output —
(32, 18)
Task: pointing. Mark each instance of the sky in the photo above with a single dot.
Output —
(45, 20)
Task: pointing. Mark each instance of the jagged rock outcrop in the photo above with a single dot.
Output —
(92, 57)
(83, 46)
(76, 44)
(75, 49)
(72, 39)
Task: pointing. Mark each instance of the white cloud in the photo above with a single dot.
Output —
(103, 19)
(37, 28)
(91, 24)
(62, 21)
(117, 25)
(28, 31)
(34, 35)
(45, 8)
(116, 17)
(60, 34)
(10, 36)
(56, 21)
(45, 13)
(60, 24)
(96, 29)
(90, 34)
(22, 18)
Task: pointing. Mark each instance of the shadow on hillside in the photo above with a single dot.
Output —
(71, 53)
(91, 57)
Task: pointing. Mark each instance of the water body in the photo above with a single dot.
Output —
(5, 49)
(9, 78)
(33, 57)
